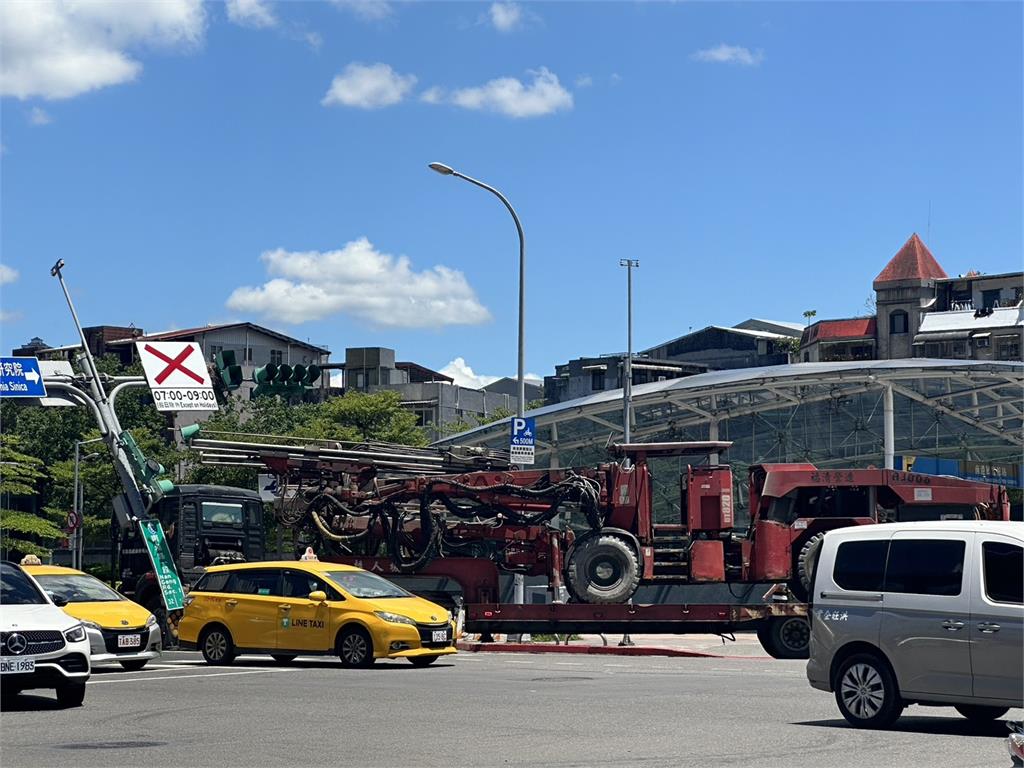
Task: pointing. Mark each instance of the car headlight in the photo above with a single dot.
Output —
(76, 634)
(151, 621)
(394, 618)
(92, 624)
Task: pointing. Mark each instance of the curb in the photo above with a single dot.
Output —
(596, 650)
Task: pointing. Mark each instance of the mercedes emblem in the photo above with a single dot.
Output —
(16, 643)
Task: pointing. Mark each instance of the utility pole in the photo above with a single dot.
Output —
(627, 375)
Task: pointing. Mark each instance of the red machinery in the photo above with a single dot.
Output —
(444, 510)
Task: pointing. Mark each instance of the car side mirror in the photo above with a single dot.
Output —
(318, 597)
(59, 601)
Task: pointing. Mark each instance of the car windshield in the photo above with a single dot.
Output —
(368, 585)
(78, 588)
(17, 589)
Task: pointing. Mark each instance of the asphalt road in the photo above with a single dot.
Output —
(476, 710)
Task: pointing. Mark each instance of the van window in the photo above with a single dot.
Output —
(212, 582)
(1004, 572)
(861, 565)
(252, 582)
(222, 512)
(925, 566)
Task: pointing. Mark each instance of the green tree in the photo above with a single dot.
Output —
(359, 416)
(23, 531)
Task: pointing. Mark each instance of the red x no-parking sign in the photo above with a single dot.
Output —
(177, 375)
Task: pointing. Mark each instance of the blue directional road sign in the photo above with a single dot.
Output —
(20, 377)
(523, 440)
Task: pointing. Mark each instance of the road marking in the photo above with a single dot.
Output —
(512, 661)
(182, 677)
(569, 663)
(616, 665)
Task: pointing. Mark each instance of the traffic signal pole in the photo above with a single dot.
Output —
(117, 439)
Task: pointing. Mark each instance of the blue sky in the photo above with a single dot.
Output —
(197, 163)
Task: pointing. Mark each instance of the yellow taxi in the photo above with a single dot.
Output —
(119, 630)
(292, 608)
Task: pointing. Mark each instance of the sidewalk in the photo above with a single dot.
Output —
(745, 646)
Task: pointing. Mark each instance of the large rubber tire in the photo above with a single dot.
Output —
(134, 666)
(71, 694)
(866, 692)
(355, 648)
(217, 646)
(806, 565)
(603, 569)
(786, 637)
(422, 661)
(978, 713)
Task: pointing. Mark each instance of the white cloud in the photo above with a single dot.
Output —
(367, 10)
(39, 117)
(338, 379)
(465, 376)
(615, 78)
(729, 54)
(368, 87)
(251, 13)
(363, 282)
(584, 81)
(506, 17)
(508, 96)
(9, 317)
(433, 95)
(7, 274)
(57, 50)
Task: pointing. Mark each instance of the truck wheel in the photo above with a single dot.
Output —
(806, 563)
(977, 713)
(355, 648)
(603, 569)
(866, 692)
(217, 646)
(786, 637)
(71, 694)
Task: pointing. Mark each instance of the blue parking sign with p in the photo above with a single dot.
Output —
(522, 440)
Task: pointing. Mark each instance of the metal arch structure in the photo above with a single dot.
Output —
(828, 413)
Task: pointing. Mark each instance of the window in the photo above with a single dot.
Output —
(597, 381)
(983, 342)
(860, 565)
(1004, 572)
(253, 582)
(247, 354)
(301, 583)
(219, 512)
(366, 585)
(276, 356)
(18, 589)
(1009, 349)
(215, 349)
(212, 582)
(898, 321)
(925, 566)
(79, 589)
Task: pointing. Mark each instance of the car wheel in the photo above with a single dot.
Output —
(603, 569)
(978, 713)
(71, 694)
(134, 666)
(866, 692)
(786, 637)
(355, 648)
(422, 661)
(217, 646)
(283, 658)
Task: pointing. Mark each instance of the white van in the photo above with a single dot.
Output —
(927, 613)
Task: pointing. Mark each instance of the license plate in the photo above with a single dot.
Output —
(440, 636)
(129, 641)
(14, 666)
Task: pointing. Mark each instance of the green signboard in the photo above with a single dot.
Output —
(163, 564)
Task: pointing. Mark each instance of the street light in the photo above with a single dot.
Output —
(627, 378)
(78, 550)
(445, 170)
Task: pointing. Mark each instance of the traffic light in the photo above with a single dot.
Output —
(284, 379)
(230, 372)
